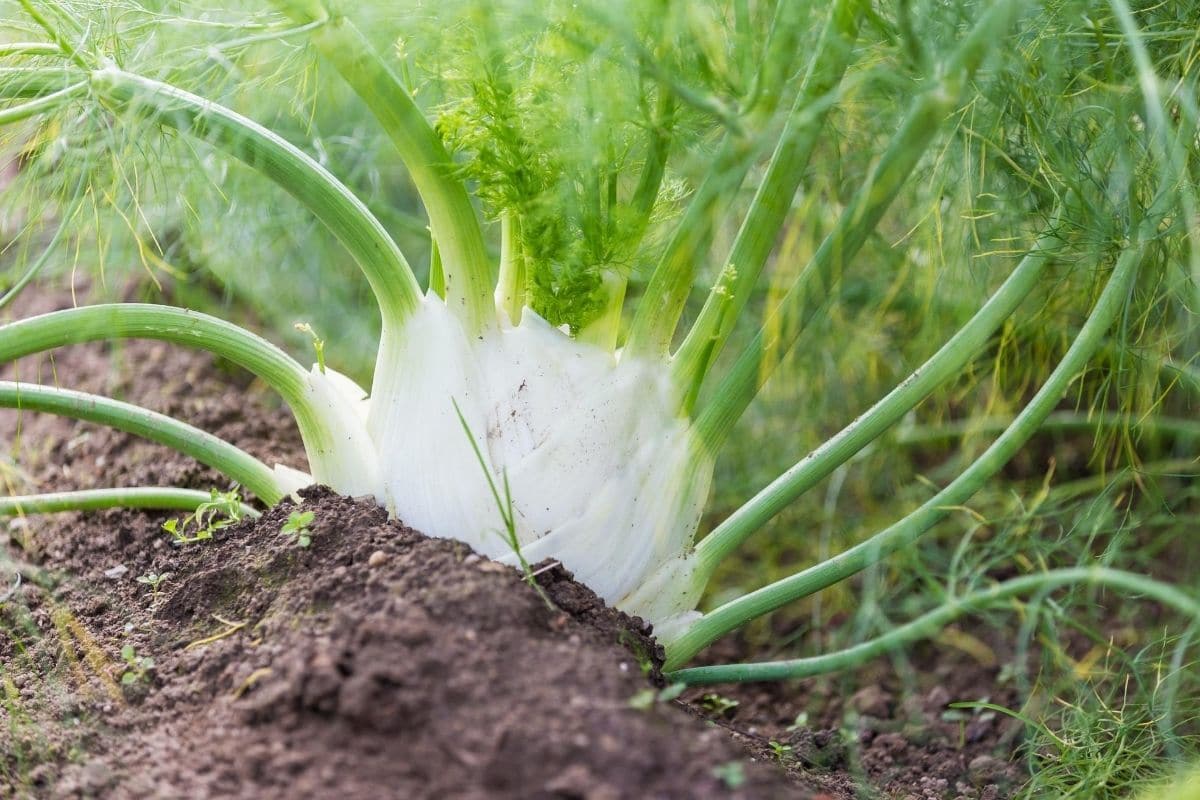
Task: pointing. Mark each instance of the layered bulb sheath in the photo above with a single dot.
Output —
(604, 474)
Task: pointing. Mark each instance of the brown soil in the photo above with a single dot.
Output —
(378, 662)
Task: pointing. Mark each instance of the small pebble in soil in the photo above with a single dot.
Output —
(871, 701)
(377, 559)
(114, 573)
(986, 769)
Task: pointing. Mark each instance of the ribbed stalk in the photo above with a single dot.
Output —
(452, 219)
(773, 201)
(666, 294)
(42, 104)
(230, 461)
(155, 497)
(166, 323)
(945, 364)
(663, 301)
(510, 287)
(931, 623)
(604, 331)
(23, 83)
(179, 326)
(30, 49)
(736, 613)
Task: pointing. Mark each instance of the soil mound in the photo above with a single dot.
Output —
(376, 662)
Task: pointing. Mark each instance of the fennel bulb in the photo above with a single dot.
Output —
(605, 475)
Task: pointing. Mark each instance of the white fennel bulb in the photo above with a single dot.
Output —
(604, 474)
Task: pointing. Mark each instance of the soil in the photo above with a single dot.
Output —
(377, 662)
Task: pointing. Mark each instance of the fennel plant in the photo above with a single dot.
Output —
(611, 148)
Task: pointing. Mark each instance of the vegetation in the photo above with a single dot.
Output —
(297, 527)
(670, 247)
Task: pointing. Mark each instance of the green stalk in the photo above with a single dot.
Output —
(773, 201)
(1060, 422)
(451, 215)
(316, 188)
(437, 275)
(67, 49)
(29, 49)
(663, 301)
(943, 365)
(510, 287)
(605, 330)
(817, 282)
(157, 497)
(39, 105)
(166, 323)
(21, 83)
(905, 532)
(666, 294)
(658, 150)
(933, 621)
(179, 326)
(230, 461)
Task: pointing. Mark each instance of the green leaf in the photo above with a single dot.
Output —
(297, 521)
(671, 692)
(643, 700)
(732, 774)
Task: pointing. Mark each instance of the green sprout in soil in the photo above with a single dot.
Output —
(218, 512)
(731, 773)
(297, 528)
(155, 581)
(646, 699)
(137, 668)
(782, 752)
(639, 213)
(717, 705)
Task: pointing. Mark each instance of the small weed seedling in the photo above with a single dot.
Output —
(505, 507)
(154, 581)
(801, 721)
(221, 511)
(646, 698)
(137, 668)
(781, 751)
(717, 705)
(731, 773)
(297, 527)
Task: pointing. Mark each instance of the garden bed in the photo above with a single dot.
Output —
(378, 662)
